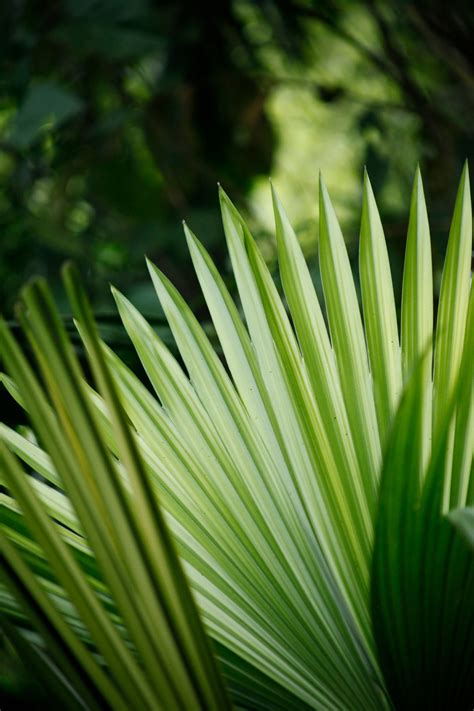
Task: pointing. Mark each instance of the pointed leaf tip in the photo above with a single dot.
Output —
(277, 205)
(191, 239)
(418, 179)
(464, 182)
(367, 190)
(324, 192)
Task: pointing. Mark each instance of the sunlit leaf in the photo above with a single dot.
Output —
(285, 523)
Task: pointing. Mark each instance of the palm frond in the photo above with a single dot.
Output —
(310, 493)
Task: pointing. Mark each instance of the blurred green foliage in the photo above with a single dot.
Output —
(118, 117)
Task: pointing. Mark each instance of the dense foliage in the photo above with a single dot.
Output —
(117, 117)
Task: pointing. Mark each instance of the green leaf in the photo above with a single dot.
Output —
(423, 577)
(417, 309)
(253, 475)
(318, 357)
(69, 574)
(379, 312)
(348, 341)
(73, 659)
(185, 643)
(462, 479)
(142, 597)
(451, 323)
(217, 396)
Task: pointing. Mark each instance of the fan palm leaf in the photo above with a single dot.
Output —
(288, 526)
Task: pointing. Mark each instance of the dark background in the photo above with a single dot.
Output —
(118, 117)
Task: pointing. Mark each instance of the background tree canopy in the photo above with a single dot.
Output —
(118, 117)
